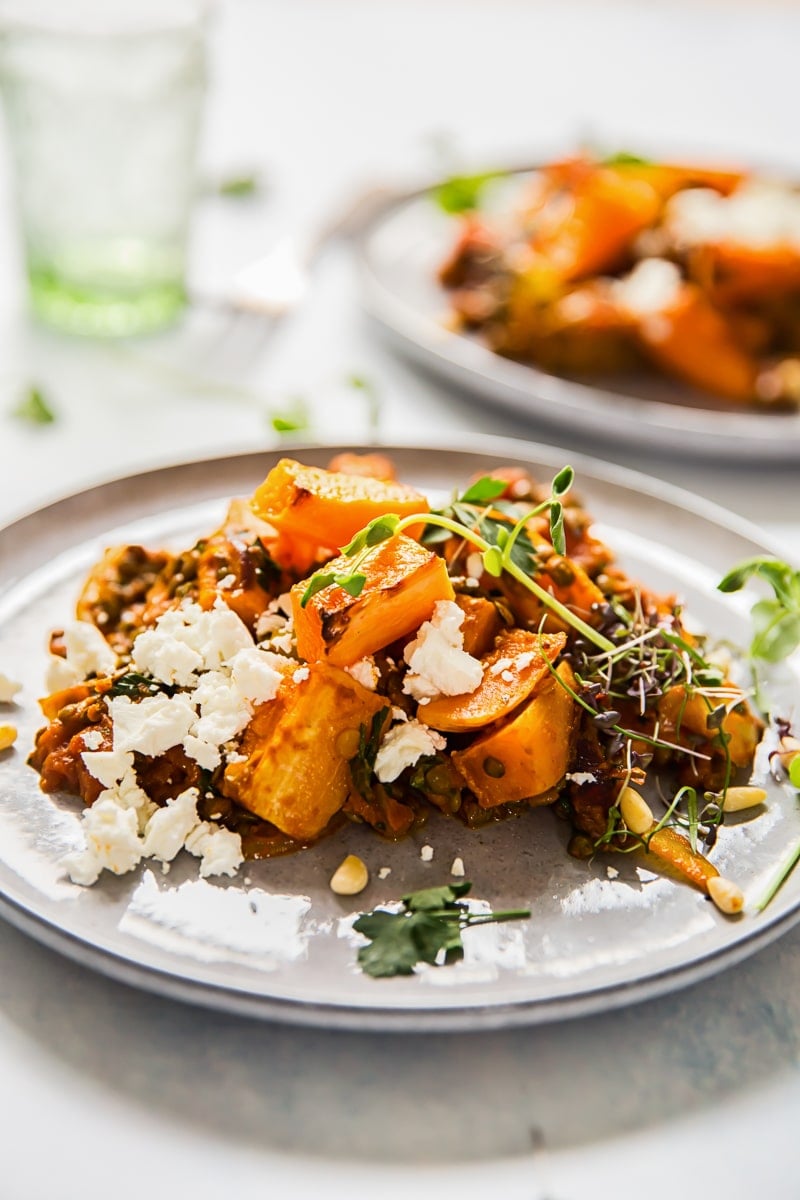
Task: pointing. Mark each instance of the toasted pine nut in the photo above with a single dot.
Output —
(739, 798)
(350, 877)
(636, 812)
(8, 735)
(790, 749)
(727, 896)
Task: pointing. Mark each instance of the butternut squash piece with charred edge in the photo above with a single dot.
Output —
(528, 754)
(496, 696)
(329, 507)
(298, 748)
(403, 582)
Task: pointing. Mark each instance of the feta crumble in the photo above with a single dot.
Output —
(438, 664)
(426, 853)
(653, 286)
(365, 672)
(219, 850)
(402, 746)
(112, 843)
(457, 868)
(169, 827)
(87, 650)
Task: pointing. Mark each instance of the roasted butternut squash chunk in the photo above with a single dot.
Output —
(681, 712)
(694, 341)
(298, 746)
(527, 754)
(404, 581)
(673, 849)
(511, 672)
(481, 625)
(329, 507)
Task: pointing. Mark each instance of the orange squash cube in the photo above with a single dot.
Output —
(329, 507)
(403, 582)
(298, 747)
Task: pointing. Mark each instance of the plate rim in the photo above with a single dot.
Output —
(512, 386)
(373, 1017)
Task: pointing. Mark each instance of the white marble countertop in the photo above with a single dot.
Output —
(105, 1091)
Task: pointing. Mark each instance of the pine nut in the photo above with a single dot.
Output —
(636, 812)
(350, 877)
(737, 799)
(789, 751)
(8, 735)
(728, 898)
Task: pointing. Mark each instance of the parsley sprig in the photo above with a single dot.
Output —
(497, 555)
(463, 193)
(427, 929)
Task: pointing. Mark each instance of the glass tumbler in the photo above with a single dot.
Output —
(103, 105)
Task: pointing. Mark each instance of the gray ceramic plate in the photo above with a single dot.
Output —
(276, 943)
(399, 254)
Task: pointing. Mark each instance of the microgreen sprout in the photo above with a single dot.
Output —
(497, 556)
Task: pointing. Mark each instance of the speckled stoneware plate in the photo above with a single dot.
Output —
(275, 942)
(399, 254)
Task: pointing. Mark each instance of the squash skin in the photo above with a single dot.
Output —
(481, 625)
(329, 508)
(534, 746)
(404, 582)
(295, 776)
(496, 697)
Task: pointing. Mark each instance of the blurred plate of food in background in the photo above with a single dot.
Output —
(648, 304)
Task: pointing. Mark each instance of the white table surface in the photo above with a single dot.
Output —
(105, 1091)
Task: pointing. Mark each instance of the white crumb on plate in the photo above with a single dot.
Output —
(426, 853)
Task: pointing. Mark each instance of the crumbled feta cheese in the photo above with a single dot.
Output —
(426, 853)
(190, 639)
(227, 583)
(501, 665)
(365, 672)
(457, 867)
(612, 872)
(758, 214)
(169, 827)
(402, 746)
(438, 663)
(220, 850)
(507, 676)
(108, 766)
(267, 624)
(60, 674)
(8, 689)
(285, 642)
(384, 872)
(525, 659)
(223, 710)
(398, 714)
(580, 777)
(301, 674)
(254, 675)
(92, 739)
(87, 649)
(652, 287)
(112, 842)
(151, 725)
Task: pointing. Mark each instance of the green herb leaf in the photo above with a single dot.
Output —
(562, 482)
(493, 561)
(557, 536)
(776, 622)
(317, 583)
(462, 193)
(427, 929)
(136, 686)
(352, 584)
(623, 158)
(34, 408)
(237, 186)
(484, 490)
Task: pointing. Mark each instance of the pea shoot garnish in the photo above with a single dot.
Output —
(776, 621)
(427, 929)
(475, 518)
